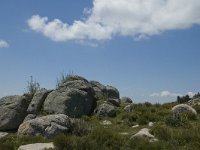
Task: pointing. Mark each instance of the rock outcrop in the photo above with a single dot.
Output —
(75, 97)
(37, 101)
(47, 126)
(182, 108)
(126, 100)
(112, 92)
(105, 110)
(12, 112)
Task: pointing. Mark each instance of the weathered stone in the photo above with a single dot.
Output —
(30, 117)
(150, 124)
(115, 102)
(106, 123)
(106, 110)
(129, 108)
(182, 108)
(47, 126)
(144, 133)
(38, 99)
(69, 101)
(112, 92)
(75, 97)
(99, 89)
(3, 134)
(36, 146)
(126, 100)
(12, 112)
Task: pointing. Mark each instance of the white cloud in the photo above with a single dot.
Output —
(3, 44)
(136, 18)
(191, 94)
(170, 94)
(165, 94)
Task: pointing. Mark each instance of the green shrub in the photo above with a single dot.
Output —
(32, 87)
(197, 108)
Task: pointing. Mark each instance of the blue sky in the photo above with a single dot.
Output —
(145, 59)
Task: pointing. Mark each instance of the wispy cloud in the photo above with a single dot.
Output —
(165, 94)
(3, 44)
(135, 18)
(170, 94)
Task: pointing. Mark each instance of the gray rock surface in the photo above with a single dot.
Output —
(112, 92)
(3, 134)
(182, 108)
(106, 123)
(36, 103)
(74, 98)
(47, 126)
(126, 100)
(30, 117)
(194, 101)
(12, 112)
(100, 90)
(36, 146)
(128, 108)
(115, 102)
(106, 110)
(144, 133)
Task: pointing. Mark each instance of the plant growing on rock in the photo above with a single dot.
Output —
(32, 87)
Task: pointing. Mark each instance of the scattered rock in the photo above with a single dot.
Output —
(144, 133)
(36, 146)
(124, 133)
(135, 126)
(182, 108)
(3, 134)
(115, 102)
(47, 126)
(195, 101)
(105, 110)
(129, 108)
(112, 92)
(150, 124)
(12, 111)
(30, 117)
(106, 123)
(37, 101)
(126, 100)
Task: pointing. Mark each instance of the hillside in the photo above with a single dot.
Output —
(86, 115)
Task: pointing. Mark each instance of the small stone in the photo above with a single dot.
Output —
(36, 146)
(106, 123)
(135, 126)
(150, 124)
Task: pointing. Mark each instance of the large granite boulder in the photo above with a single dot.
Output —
(105, 110)
(178, 110)
(37, 101)
(48, 126)
(12, 111)
(126, 100)
(69, 101)
(75, 97)
(112, 92)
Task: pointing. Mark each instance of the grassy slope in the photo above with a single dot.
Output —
(90, 135)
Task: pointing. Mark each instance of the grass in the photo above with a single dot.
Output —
(89, 134)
